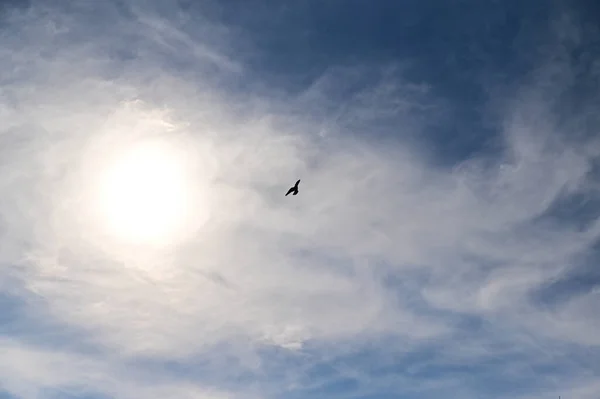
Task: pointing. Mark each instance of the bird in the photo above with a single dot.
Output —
(293, 190)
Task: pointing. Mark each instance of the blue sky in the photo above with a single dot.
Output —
(444, 242)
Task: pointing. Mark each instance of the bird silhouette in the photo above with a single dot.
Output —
(293, 190)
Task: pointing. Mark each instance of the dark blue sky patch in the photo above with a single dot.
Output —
(573, 74)
(8, 6)
(577, 211)
(462, 50)
(581, 278)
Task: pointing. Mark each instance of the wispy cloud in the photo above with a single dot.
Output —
(389, 274)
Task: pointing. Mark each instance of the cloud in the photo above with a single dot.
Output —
(389, 273)
(30, 371)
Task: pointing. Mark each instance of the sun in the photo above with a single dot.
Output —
(144, 193)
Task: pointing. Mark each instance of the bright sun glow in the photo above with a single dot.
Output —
(144, 193)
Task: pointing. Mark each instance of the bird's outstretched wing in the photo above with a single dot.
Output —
(291, 190)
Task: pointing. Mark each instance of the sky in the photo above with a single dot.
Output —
(444, 241)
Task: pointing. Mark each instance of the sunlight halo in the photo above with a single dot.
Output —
(143, 193)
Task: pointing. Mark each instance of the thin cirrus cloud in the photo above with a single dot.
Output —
(390, 274)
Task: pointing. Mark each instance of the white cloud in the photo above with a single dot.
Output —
(265, 270)
(31, 372)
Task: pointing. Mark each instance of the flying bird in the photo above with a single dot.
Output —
(293, 190)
